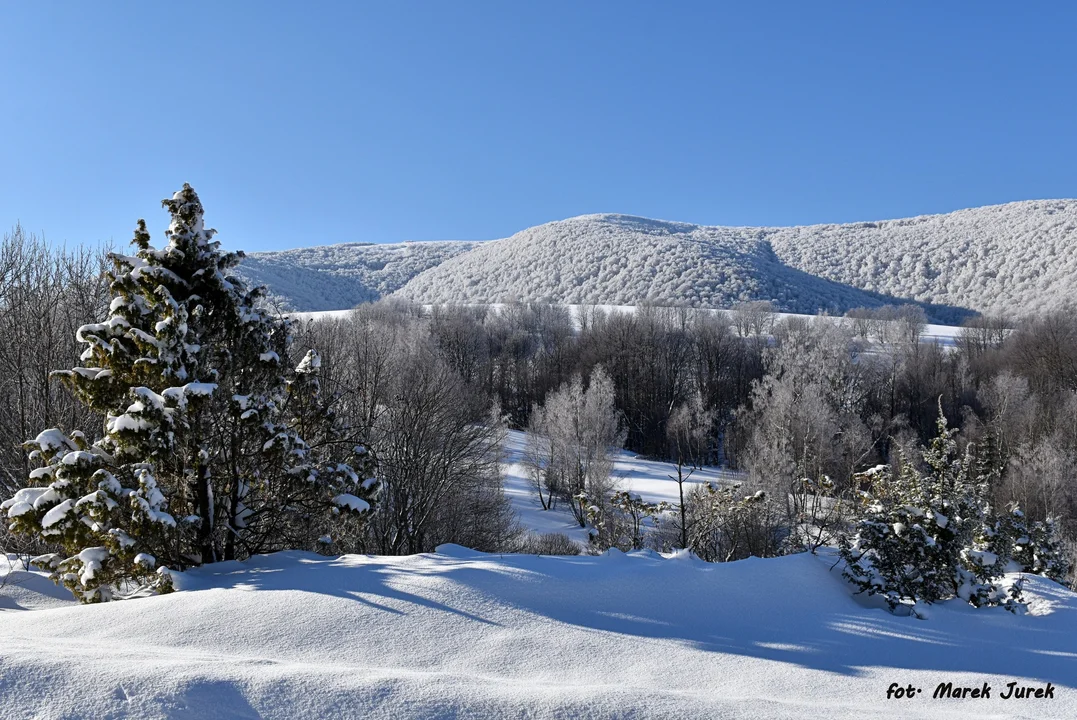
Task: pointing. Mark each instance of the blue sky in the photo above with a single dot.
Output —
(316, 123)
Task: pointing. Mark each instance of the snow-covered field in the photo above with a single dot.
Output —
(1014, 258)
(651, 480)
(461, 634)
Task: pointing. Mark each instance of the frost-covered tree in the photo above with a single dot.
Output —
(688, 431)
(582, 429)
(805, 431)
(926, 537)
(214, 446)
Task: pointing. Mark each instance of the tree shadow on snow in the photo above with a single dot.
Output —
(790, 610)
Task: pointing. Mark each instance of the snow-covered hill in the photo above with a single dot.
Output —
(621, 260)
(461, 634)
(336, 277)
(1016, 258)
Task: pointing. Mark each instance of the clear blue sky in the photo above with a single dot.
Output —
(316, 123)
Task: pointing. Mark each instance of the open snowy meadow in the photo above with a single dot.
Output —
(458, 633)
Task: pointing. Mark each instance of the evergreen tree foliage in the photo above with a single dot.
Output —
(926, 537)
(1035, 546)
(214, 447)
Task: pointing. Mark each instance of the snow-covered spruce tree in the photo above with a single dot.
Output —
(107, 520)
(923, 538)
(213, 447)
(1034, 545)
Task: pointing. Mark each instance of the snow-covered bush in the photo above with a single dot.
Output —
(926, 537)
(1034, 545)
(108, 519)
(724, 524)
(620, 520)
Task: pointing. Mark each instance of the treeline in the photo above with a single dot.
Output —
(46, 294)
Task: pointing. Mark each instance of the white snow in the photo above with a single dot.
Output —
(1013, 258)
(310, 363)
(462, 634)
(199, 389)
(56, 513)
(54, 439)
(78, 456)
(129, 423)
(351, 502)
(22, 589)
(652, 480)
(92, 559)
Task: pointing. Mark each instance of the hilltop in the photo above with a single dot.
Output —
(1012, 258)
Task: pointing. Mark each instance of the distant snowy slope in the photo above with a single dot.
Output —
(336, 277)
(622, 260)
(1017, 258)
(459, 634)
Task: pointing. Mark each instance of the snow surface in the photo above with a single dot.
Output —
(650, 479)
(342, 276)
(21, 589)
(462, 634)
(1014, 258)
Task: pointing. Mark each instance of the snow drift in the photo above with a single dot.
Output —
(462, 634)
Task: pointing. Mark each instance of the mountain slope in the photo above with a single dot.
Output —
(623, 260)
(336, 277)
(1013, 258)
(1018, 257)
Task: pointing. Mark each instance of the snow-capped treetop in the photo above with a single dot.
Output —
(310, 363)
(187, 227)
